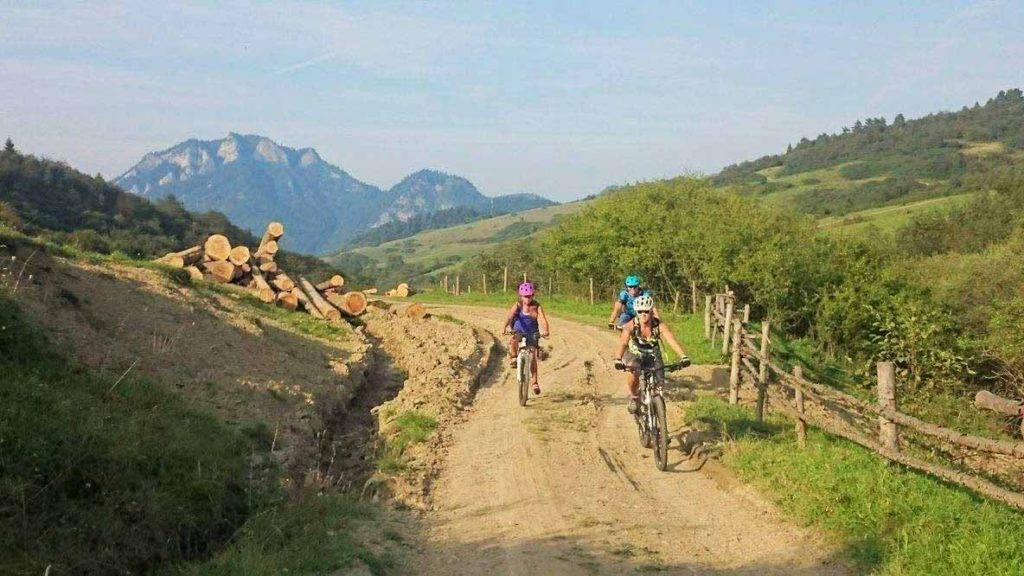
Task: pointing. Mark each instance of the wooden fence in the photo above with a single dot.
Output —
(551, 283)
(878, 426)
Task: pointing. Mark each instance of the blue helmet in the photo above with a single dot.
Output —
(632, 281)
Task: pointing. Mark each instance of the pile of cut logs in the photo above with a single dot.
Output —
(217, 261)
(402, 291)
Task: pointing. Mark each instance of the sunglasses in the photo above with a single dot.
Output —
(643, 312)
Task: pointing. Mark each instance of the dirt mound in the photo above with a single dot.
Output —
(281, 386)
(442, 361)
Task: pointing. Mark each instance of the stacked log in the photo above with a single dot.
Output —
(416, 310)
(349, 303)
(400, 291)
(185, 258)
(216, 260)
(332, 283)
(326, 309)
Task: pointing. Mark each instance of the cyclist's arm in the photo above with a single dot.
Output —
(656, 314)
(671, 339)
(510, 318)
(623, 340)
(545, 328)
(616, 312)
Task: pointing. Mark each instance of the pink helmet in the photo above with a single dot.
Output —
(526, 289)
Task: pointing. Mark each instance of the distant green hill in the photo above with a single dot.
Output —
(434, 251)
(876, 163)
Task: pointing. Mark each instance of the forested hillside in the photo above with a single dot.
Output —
(60, 204)
(877, 163)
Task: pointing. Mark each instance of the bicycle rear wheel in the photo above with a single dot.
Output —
(659, 435)
(523, 377)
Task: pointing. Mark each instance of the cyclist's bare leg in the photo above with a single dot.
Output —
(513, 348)
(533, 365)
(633, 382)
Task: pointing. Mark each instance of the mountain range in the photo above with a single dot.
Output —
(253, 180)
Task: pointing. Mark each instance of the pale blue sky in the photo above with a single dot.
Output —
(556, 98)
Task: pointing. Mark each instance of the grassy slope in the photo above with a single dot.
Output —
(688, 329)
(890, 519)
(889, 218)
(85, 459)
(462, 240)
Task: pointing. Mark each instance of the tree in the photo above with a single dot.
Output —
(9, 148)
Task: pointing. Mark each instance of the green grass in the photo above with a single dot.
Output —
(314, 536)
(688, 328)
(99, 476)
(889, 520)
(408, 428)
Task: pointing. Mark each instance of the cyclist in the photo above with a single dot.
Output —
(526, 318)
(642, 335)
(623, 310)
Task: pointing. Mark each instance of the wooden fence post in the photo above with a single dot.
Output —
(746, 313)
(725, 328)
(693, 297)
(762, 371)
(887, 432)
(675, 303)
(734, 366)
(458, 278)
(485, 282)
(504, 281)
(801, 423)
(445, 283)
(591, 290)
(707, 316)
(524, 276)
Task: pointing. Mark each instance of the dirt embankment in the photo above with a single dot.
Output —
(439, 363)
(282, 387)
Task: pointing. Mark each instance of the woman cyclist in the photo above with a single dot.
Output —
(642, 336)
(622, 311)
(526, 318)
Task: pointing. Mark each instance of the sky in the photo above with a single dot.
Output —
(556, 98)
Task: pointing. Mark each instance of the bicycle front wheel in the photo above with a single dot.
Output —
(523, 377)
(660, 433)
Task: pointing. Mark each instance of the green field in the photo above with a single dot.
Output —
(439, 249)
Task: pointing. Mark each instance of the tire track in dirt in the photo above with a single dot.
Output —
(562, 486)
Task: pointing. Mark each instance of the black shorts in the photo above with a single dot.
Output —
(532, 338)
(650, 361)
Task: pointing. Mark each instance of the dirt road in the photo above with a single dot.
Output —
(563, 486)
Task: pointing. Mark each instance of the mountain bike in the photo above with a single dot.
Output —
(651, 421)
(524, 367)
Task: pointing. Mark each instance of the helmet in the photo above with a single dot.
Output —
(526, 289)
(632, 281)
(643, 303)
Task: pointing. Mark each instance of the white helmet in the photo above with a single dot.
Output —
(643, 303)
